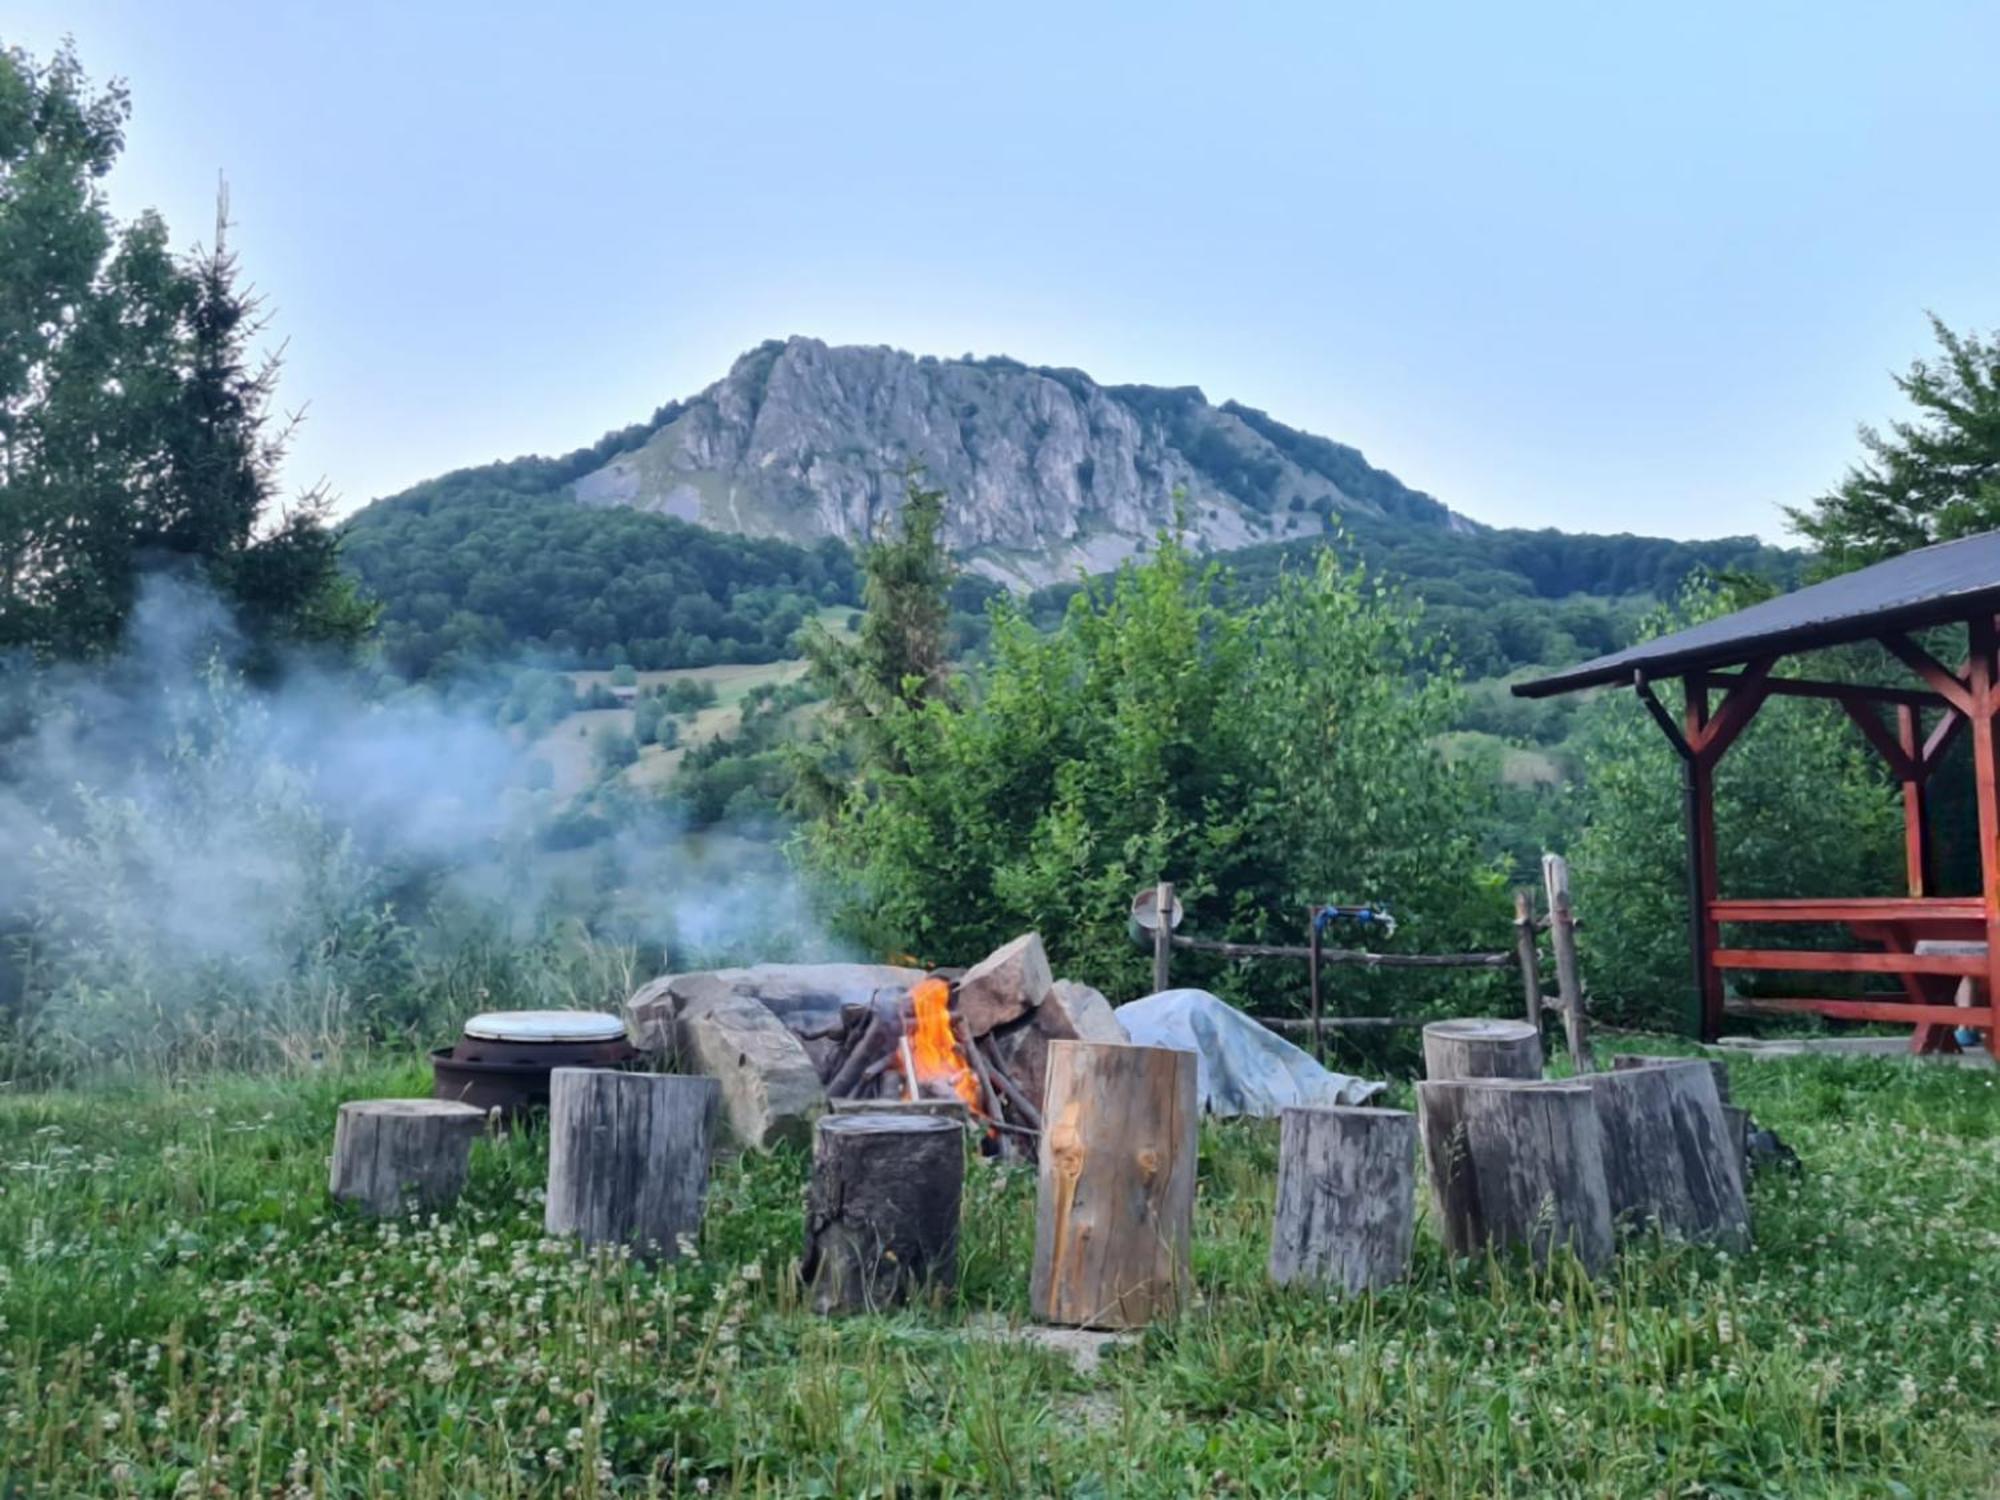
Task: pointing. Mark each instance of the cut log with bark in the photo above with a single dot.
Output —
(1670, 1156)
(1114, 1210)
(396, 1156)
(628, 1157)
(1477, 1048)
(1346, 1198)
(1516, 1163)
(883, 1208)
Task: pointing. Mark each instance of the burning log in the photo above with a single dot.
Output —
(1015, 1095)
(873, 1038)
(882, 1211)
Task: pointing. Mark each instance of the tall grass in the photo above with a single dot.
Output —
(182, 1312)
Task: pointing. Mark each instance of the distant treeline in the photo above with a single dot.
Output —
(1500, 600)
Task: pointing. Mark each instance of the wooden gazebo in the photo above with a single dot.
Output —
(1943, 950)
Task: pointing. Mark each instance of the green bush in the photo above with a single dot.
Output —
(1261, 758)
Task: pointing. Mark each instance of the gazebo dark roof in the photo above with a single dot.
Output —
(1934, 585)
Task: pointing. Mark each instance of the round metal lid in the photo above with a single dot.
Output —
(545, 1026)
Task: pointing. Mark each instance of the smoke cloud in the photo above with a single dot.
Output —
(175, 839)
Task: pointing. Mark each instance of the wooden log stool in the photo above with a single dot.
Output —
(393, 1156)
(628, 1157)
(1669, 1156)
(882, 1209)
(1734, 1117)
(1346, 1198)
(1482, 1049)
(1517, 1163)
(1114, 1206)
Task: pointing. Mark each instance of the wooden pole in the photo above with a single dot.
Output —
(1569, 979)
(393, 1156)
(1516, 1163)
(1979, 681)
(1916, 801)
(1114, 1202)
(1707, 933)
(1669, 1153)
(1524, 947)
(1476, 1048)
(1163, 934)
(628, 1157)
(1346, 1198)
(882, 1210)
(1312, 965)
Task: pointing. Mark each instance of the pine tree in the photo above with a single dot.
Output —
(135, 424)
(897, 661)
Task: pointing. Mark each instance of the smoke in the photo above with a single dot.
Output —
(181, 844)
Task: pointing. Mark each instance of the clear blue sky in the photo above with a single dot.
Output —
(1559, 265)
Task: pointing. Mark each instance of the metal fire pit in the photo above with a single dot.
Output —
(502, 1060)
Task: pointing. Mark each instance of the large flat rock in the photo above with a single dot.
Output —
(805, 997)
(771, 1091)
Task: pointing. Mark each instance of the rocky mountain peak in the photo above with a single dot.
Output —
(1048, 472)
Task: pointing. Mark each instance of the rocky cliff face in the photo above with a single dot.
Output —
(1047, 471)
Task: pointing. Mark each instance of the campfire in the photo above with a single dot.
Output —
(975, 1039)
(933, 1063)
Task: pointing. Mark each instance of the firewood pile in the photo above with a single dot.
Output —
(977, 1037)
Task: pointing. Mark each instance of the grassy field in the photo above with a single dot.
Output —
(181, 1313)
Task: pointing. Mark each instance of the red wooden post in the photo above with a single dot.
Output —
(1707, 933)
(1979, 681)
(1916, 800)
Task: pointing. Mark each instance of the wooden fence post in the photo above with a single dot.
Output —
(1569, 982)
(1163, 933)
(1524, 945)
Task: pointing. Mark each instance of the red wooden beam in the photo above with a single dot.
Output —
(1909, 909)
(1699, 796)
(1811, 961)
(1901, 764)
(1931, 670)
(1980, 643)
(1895, 1012)
(1813, 687)
(1736, 712)
(1916, 797)
(1940, 739)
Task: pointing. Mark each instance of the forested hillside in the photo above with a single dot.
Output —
(476, 573)
(489, 566)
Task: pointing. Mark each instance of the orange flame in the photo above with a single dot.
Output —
(934, 1046)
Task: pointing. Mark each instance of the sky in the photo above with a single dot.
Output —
(1607, 268)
